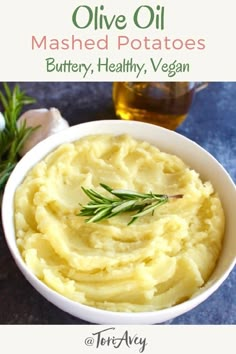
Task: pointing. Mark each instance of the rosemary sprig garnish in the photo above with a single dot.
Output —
(13, 136)
(102, 207)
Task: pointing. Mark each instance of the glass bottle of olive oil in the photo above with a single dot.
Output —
(162, 103)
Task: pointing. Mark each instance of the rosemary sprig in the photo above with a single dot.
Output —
(13, 136)
(102, 207)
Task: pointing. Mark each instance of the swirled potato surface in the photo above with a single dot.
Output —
(158, 261)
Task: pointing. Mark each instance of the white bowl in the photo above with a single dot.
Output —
(167, 141)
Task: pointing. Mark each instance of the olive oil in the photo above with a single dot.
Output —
(161, 103)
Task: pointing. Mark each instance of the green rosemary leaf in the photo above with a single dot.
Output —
(5, 173)
(109, 189)
(151, 208)
(123, 206)
(101, 207)
(126, 194)
(13, 136)
(4, 101)
(99, 216)
(7, 90)
(94, 196)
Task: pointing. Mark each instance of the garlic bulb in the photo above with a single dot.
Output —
(49, 122)
(2, 122)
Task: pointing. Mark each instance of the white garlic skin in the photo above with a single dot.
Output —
(49, 121)
(2, 122)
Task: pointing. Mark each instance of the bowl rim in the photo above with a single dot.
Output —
(66, 304)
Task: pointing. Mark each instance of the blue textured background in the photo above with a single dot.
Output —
(211, 123)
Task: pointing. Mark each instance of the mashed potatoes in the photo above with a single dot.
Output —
(157, 262)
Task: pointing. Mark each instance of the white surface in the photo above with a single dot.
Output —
(184, 19)
(47, 121)
(2, 122)
(166, 140)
